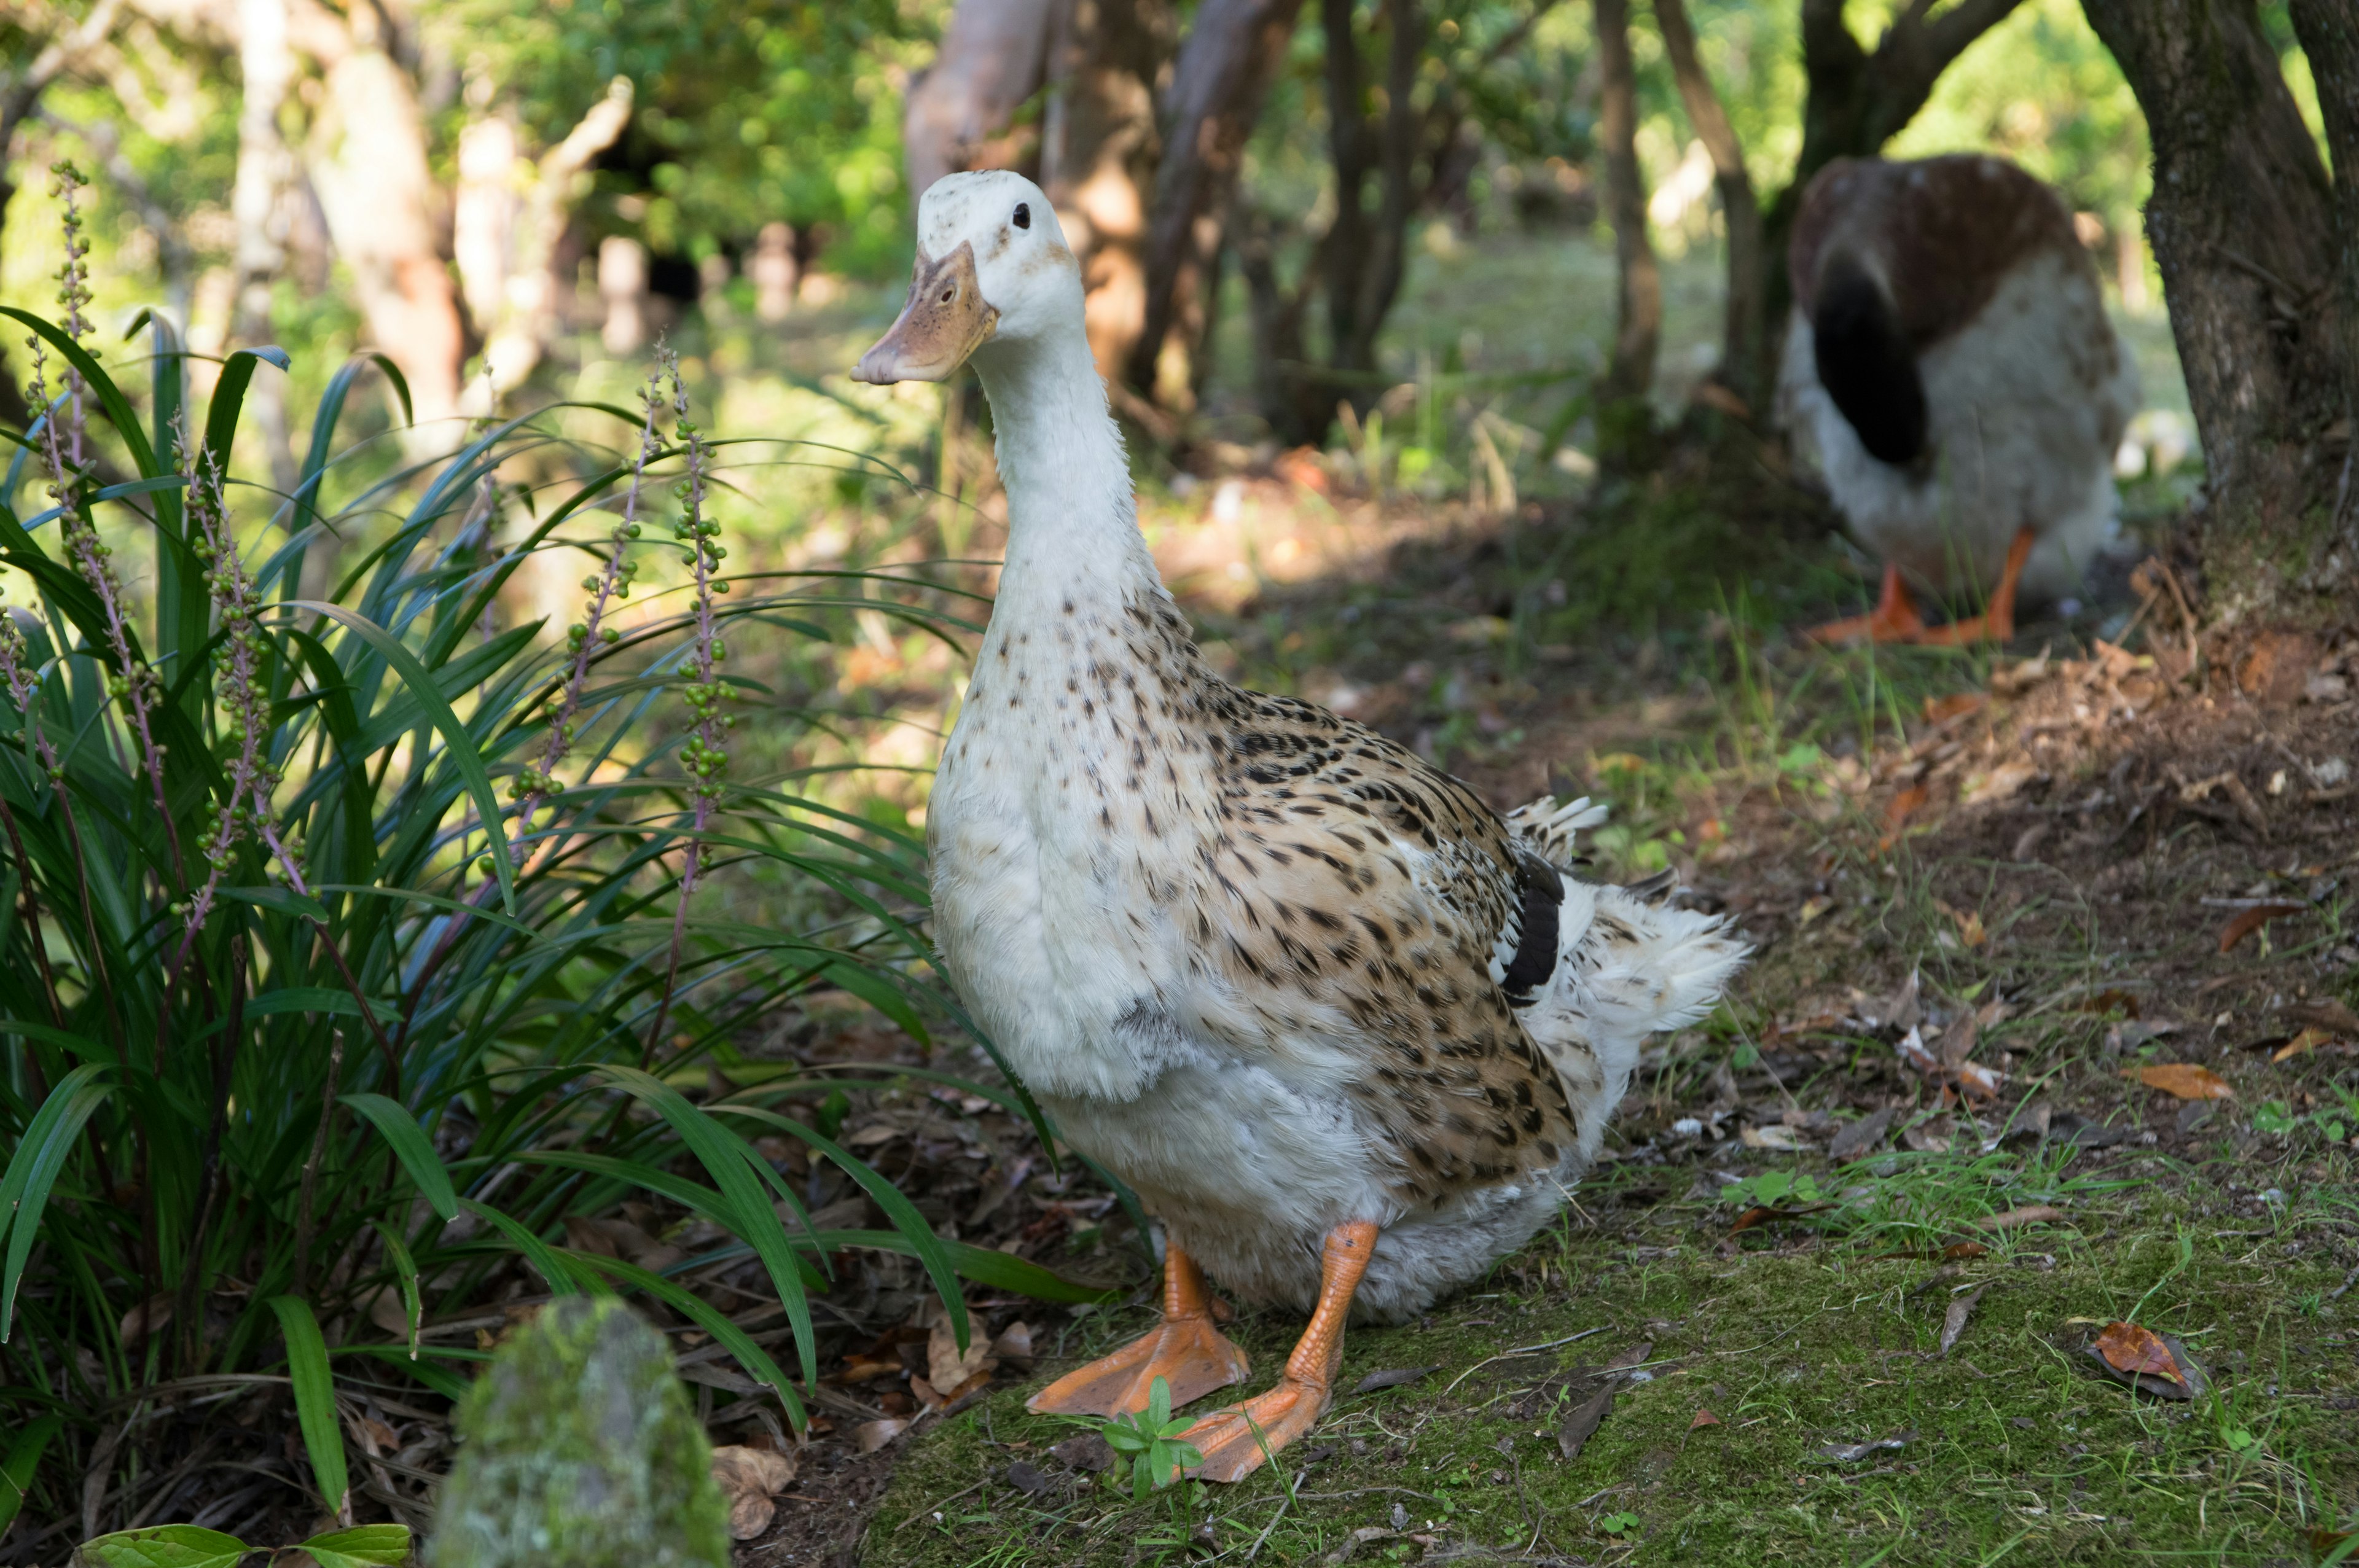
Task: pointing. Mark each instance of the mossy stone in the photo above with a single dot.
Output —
(578, 1450)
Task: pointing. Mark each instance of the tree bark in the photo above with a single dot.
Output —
(266, 65)
(511, 288)
(1638, 307)
(1222, 78)
(1366, 252)
(367, 160)
(1740, 354)
(2328, 30)
(2243, 223)
(992, 56)
(1098, 155)
(1856, 103)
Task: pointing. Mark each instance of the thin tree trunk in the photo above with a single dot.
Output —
(1387, 255)
(523, 290)
(2242, 223)
(992, 60)
(1232, 54)
(367, 159)
(2328, 30)
(266, 66)
(1098, 155)
(1638, 310)
(1740, 353)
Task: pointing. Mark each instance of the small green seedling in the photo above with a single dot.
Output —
(1619, 1524)
(187, 1546)
(1149, 1440)
(1771, 1188)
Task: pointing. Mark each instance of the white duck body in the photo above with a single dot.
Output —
(1247, 954)
(2025, 387)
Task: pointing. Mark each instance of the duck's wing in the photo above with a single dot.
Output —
(1358, 898)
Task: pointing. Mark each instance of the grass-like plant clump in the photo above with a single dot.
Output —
(349, 942)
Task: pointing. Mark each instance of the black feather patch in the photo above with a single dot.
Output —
(1867, 365)
(1542, 891)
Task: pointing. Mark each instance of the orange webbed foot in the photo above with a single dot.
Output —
(1895, 619)
(1189, 1354)
(1235, 1441)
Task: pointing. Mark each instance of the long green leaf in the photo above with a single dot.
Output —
(730, 1160)
(448, 1386)
(405, 1279)
(24, 1458)
(110, 396)
(315, 1399)
(412, 1148)
(738, 1343)
(536, 1252)
(460, 744)
(165, 1546)
(33, 1170)
(363, 1546)
(923, 1242)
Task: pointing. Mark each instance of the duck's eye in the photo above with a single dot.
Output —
(1024, 214)
(947, 295)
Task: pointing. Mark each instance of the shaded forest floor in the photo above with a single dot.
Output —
(1888, 1195)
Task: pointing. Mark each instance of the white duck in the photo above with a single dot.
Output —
(1348, 1034)
(1951, 359)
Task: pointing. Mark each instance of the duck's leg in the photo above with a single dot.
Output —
(1895, 618)
(1185, 1350)
(1235, 1440)
(1997, 620)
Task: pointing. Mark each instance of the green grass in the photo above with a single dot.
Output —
(2021, 1452)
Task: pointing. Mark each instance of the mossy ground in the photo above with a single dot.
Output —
(2019, 1451)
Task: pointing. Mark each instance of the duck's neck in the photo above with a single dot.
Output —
(1073, 519)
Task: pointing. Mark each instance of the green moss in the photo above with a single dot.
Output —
(580, 1450)
(2016, 1451)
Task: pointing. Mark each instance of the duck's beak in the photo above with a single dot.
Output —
(945, 320)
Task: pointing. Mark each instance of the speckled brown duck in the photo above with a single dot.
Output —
(1348, 1033)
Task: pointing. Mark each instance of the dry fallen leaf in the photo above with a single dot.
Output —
(2031, 1214)
(2145, 1361)
(751, 1478)
(2128, 1348)
(1703, 1418)
(2307, 1039)
(1852, 1453)
(1015, 1343)
(2183, 1080)
(1897, 814)
(2248, 921)
(947, 1367)
(872, 1435)
(1953, 1323)
(1862, 1136)
(1578, 1427)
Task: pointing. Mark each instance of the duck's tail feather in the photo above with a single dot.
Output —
(1552, 830)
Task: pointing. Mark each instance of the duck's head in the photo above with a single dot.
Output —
(992, 268)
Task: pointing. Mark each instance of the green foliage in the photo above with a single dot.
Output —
(579, 1447)
(1148, 1440)
(1768, 1189)
(187, 1546)
(745, 114)
(298, 1012)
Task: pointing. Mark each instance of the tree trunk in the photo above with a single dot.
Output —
(1638, 307)
(266, 66)
(1233, 55)
(992, 58)
(1365, 252)
(1098, 153)
(1856, 103)
(2243, 223)
(367, 160)
(2328, 30)
(1740, 354)
(504, 232)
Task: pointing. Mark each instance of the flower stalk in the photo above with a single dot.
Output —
(704, 756)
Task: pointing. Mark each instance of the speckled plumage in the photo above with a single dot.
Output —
(1266, 966)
